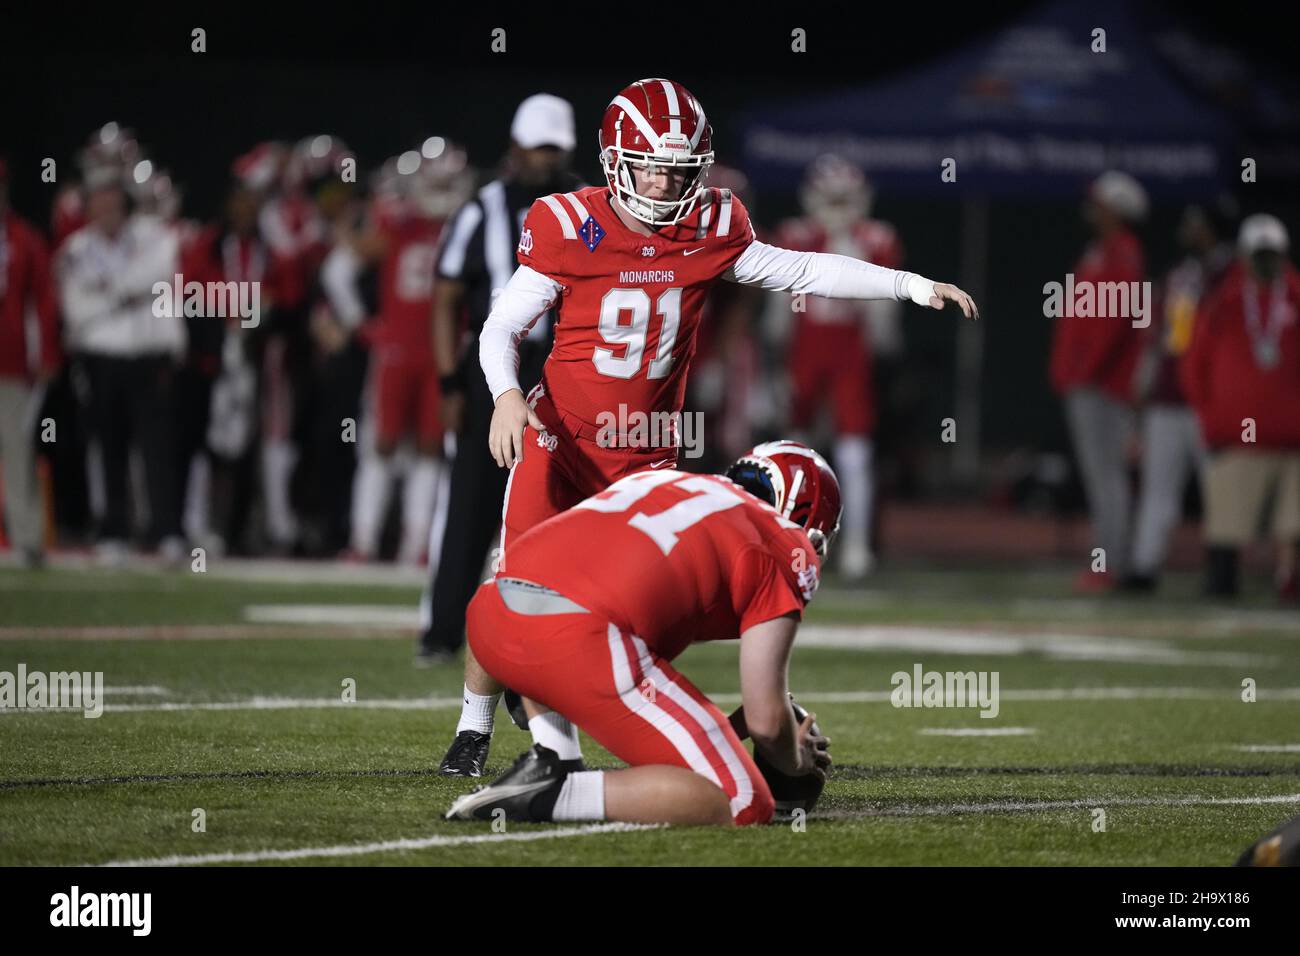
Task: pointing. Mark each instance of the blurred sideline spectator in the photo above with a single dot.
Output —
(1171, 440)
(1242, 375)
(1092, 366)
(830, 349)
(106, 272)
(415, 194)
(30, 356)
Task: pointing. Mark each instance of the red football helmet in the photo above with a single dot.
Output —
(835, 193)
(797, 482)
(659, 123)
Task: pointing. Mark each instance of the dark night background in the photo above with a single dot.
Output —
(383, 79)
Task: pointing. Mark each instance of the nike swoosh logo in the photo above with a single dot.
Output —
(664, 462)
(692, 252)
(490, 794)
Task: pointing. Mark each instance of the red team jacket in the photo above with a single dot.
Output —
(630, 305)
(696, 558)
(1095, 351)
(25, 281)
(1222, 377)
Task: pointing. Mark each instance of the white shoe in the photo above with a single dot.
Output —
(172, 551)
(856, 562)
(111, 553)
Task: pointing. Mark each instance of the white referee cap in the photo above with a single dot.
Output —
(543, 120)
(1121, 193)
(1262, 232)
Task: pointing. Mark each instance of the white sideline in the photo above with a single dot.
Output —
(1051, 694)
(977, 731)
(1053, 645)
(384, 846)
(952, 809)
(1016, 806)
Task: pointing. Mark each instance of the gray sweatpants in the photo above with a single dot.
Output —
(21, 501)
(1100, 427)
(1172, 450)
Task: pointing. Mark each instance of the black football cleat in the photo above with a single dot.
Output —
(526, 792)
(467, 755)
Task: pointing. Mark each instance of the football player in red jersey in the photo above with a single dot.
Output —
(628, 266)
(420, 192)
(830, 359)
(700, 558)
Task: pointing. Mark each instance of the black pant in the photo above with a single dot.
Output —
(478, 488)
(131, 403)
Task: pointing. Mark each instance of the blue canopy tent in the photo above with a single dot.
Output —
(1032, 111)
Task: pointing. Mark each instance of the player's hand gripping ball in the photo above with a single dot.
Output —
(792, 793)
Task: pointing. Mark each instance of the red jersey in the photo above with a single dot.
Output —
(26, 284)
(406, 284)
(1100, 352)
(686, 558)
(630, 304)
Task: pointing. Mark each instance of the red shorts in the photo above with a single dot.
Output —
(563, 465)
(406, 397)
(832, 361)
(621, 692)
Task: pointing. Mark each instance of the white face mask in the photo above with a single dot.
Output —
(656, 212)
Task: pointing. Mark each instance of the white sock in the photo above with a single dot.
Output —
(438, 526)
(853, 468)
(582, 797)
(370, 495)
(553, 731)
(417, 508)
(477, 712)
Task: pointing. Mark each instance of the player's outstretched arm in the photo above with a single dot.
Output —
(840, 277)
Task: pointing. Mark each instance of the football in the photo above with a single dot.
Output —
(791, 793)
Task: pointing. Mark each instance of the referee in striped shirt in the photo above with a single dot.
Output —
(477, 257)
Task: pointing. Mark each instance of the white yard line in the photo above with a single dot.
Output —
(366, 615)
(1021, 806)
(138, 690)
(384, 846)
(281, 621)
(977, 731)
(1050, 694)
(990, 640)
(423, 843)
(1269, 748)
(199, 632)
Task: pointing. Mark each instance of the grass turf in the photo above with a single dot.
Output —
(301, 774)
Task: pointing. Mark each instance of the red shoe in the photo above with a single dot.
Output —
(1094, 582)
(1288, 588)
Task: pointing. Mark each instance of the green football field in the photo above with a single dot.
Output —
(1121, 738)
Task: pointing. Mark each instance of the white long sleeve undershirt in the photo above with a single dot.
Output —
(825, 274)
(524, 300)
(529, 294)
